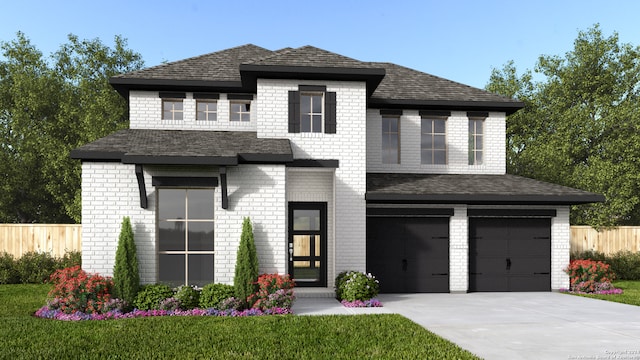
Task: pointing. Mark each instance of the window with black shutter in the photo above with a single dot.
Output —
(312, 109)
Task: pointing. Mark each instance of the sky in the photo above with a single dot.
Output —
(461, 40)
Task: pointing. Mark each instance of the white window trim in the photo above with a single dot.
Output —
(207, 111)
(433, 134)
(173, 111)
(382, 150)
(473, 136)
(311, 94)
(241, 113)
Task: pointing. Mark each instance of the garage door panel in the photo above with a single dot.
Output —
(488, 283)
(530, 283)
(530, 265)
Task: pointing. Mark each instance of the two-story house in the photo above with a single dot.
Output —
(340, 164)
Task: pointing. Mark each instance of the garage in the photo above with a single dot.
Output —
(509, 254)
(408, 249)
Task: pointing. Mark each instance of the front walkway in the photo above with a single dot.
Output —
(536, 325)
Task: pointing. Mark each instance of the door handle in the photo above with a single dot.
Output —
(404, 265)
(508, 263)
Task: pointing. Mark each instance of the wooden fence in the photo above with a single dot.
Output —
(608, 241)
(55, 239)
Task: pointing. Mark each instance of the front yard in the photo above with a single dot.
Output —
(263, 337)
(631, 294)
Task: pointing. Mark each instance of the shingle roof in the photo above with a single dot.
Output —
(401, 87)
(471, 189)
(143, 146)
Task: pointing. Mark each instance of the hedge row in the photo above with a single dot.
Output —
(34, 267)
(625, 264)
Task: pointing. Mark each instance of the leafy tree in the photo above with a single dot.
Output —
(246, 272)
(126, 279)
(48, 107)
(580, 126)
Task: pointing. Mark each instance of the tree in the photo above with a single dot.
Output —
(126, 279)
(580, 126)
(47, 108)
(246, 272)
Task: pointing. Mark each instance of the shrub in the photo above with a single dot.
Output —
(8, 272)
(589, 255)
(125, 271)
(230, 304)
(35, 268)
(274, 291)
(340, 279)
(150, 296)
(625, 264)
(75, 290)
(585, 275)
(170, 304)
(188, 297)
(212, 295)
(246, 271)
(70, 259)
(358, 286)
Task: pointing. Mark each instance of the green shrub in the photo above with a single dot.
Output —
(625, 264)
(246, 272)
(188, 297)
(125, 271)
(213, 294)
(589, 255)
(35, 268)
(340, 279)
(150, 296)
(70, 259)
(358, 286)
(8, 272)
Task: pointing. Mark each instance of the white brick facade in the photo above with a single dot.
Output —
(457, 135)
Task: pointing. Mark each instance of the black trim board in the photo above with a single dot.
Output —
(322, 88)
(184, 181)
(180, 160)
(240, 96)
(483, 199)
(436, 113)
(396, 112)
(223, 184)
(206, 95)
(141, 186)
(477, 114)
(314, 163)
(172, 95)
(408, 212)
(507, 107)
(512, 213)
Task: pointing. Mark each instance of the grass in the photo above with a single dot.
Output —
(630, 295)
(267, 337)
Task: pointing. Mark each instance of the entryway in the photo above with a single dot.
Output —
(307, 246)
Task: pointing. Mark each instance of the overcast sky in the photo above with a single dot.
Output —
(461, 40)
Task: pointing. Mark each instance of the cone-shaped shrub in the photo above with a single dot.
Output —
(126, 279)
(246, 273)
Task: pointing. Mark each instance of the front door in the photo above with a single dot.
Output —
(307, 248)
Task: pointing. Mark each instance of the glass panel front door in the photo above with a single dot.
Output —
(307, 243)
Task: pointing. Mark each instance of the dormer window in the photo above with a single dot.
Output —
(312, 109)
(240, 111)
(206, 106)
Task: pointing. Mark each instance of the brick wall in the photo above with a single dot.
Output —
(146, 113)
(457, 145)
(560, 248)
(347, 145)
(459, 250)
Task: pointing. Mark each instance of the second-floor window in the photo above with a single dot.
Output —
(390, 140)
(433, 141)
(207, 110)
(240, 110)
(476, 135)
(172, 109)
(311, 112)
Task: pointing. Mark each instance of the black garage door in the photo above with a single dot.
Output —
(409, 255)
(508, 254)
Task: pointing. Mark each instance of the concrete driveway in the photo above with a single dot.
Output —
(526, 325)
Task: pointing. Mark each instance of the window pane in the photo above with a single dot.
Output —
(200, 269)
(317, 123)
(393, 125)
(385, 142)
(427, 142)
(306, 220)
(171, 269)
(171, 203)
(386, 125)
(439, 142)
(471, 126)
(305, 123)
(200, 203)
(478, 142)
(479, 126)
(202, 106)
(317, 104)
(201, 116)
(177, 105)
(427, 126)
(235, 116)
(167, 105)
(177, 115)
(440, 126)
(440, 157)
(426, 157)
(246, 117)
(393, 142)
(200, 236)
(305, 104)
(391, 156)
(479, 158)
(171, 236)
(166, 115)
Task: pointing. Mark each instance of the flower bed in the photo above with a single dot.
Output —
(360, 303)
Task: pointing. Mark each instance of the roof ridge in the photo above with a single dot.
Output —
(274, 53)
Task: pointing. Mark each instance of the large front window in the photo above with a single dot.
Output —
(311, 111)
(185, 236)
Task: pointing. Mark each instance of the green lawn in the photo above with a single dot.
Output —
(631, 294)
(267, 337)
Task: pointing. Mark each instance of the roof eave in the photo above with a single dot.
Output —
(485, 199)
(123, 85)
(509, 107)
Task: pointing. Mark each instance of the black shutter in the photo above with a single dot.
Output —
(294, 111)
(330, 123)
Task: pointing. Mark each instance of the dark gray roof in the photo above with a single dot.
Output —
(187, 147)
(471, 189)
(235, 70)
